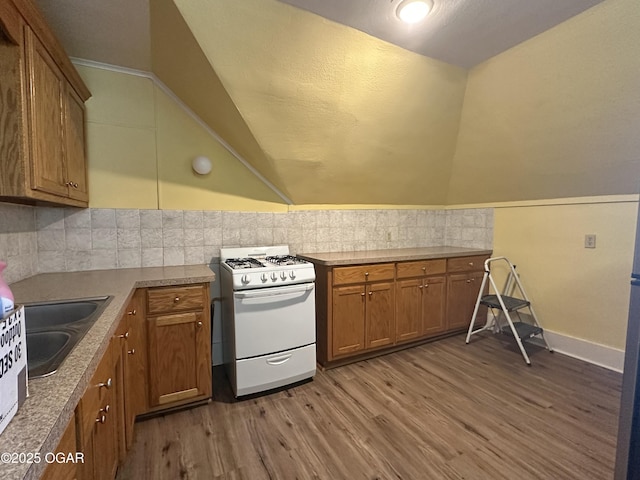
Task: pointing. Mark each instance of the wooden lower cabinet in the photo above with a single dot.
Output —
(67, 446)
(98, 422)
(380, 315)
(179, 346)
(348, 319)
(368, 308)
(420, 308)
(463, 286)
(152, 363)
(136, 378)
(362, 317)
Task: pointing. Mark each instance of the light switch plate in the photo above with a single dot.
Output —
(590, 240)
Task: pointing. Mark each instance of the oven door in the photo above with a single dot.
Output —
(270, 320)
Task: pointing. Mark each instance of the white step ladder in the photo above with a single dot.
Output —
(503, 305)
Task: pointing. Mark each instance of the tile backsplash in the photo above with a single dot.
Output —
(44, 239)
(18, 241)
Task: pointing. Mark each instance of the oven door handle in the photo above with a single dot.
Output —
(273, 292)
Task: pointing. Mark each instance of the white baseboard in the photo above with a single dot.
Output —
(602, 355)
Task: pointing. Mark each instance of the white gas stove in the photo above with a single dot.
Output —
(259, 267)
(268, 318)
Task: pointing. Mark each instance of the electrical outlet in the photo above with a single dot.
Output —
(590, 240)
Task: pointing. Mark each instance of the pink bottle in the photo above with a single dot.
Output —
(6, 297)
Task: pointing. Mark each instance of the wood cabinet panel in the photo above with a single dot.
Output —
(98, 412)
(66, 446)
(466, 264)
(135, 365)
(380, 316)
(421, 268)
(434, 305)
(363, 273)
(74, 143)
(462, 294)
(179, 345)
(45, 87)
(408, 309)
(348, 320)
(41, 113)
(175, 299)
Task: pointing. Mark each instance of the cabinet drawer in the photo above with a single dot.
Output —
(422, 267)
(466, 264)
(363, 273)
(175, 299)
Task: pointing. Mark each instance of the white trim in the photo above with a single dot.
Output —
(595, 353)
(160, 84)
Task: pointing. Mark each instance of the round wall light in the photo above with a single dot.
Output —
(201, 165)
(413, 11)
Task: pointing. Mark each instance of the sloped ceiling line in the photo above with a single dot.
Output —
(157, 82)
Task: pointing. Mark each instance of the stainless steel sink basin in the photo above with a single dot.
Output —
(54, 328)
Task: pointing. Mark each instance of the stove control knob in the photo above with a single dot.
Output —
(264, 277)
(245, 279)
(292, 274)
(274, 276)
(283, 275)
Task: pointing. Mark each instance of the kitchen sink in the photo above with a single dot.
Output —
(54, 328)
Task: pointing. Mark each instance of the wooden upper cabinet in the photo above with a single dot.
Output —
(43, 148)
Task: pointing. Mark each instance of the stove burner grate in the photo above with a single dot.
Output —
(284, 260)
(241, 263)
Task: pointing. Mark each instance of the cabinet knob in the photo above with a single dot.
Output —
(131, 352)
(125, 335)
(366, 274)
(362, 294)
(105, 409)
(132, 312)
(199, 324)
(471, 264)
(101, 419)
(370, 293)
(468, 281)
(419, 286)
(176, 300)
(424, 269)
(106, 384)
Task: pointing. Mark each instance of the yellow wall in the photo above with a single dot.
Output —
(578, 292)
(342, 117)
(140, 144)
(556, 116)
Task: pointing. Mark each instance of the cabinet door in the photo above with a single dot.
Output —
(380, 324)
(348, 319)
(98, 420)
(408, 309)
(45, 93)
(462, 293)
(434, 305)
(135, 364)
(179, 359)
(76, 165)
(67, 445)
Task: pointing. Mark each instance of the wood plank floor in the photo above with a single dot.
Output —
(444, 410)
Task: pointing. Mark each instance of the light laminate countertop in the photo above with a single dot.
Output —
(331, 259)
(40, 422)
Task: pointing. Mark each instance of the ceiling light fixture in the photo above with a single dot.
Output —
(413, 11)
